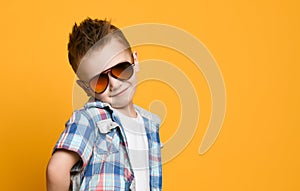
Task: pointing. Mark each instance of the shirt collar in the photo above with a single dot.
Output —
(144, 113)
(92, 102)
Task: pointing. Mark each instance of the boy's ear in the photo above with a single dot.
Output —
(136, 61)
(84, 87)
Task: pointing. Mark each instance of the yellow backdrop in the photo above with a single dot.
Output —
(255, 43)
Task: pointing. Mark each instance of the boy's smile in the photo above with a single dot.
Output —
(118, 93)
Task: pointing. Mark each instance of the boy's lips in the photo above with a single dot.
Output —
(119, 93)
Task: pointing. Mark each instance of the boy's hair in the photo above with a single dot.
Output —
(87, 34)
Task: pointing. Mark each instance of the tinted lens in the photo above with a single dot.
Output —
(122, 71)
(99, 83)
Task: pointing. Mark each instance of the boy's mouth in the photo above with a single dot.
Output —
(119, 93)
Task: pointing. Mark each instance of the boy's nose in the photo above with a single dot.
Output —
(113, 82)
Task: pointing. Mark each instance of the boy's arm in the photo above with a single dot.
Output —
(58, 170)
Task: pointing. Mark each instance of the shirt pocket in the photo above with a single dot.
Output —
(107, 143)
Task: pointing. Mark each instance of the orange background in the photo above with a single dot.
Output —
(256, 44)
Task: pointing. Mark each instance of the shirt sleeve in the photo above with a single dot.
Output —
(78, 136)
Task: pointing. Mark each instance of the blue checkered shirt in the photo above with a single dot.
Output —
(95, 133)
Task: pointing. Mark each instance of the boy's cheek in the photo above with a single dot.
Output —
(103, 97)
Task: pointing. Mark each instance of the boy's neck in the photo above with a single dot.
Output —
(128, 111)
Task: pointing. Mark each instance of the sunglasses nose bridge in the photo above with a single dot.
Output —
(113, 81)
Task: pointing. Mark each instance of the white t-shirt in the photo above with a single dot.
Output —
(138, 149)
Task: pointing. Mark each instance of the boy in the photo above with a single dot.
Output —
(110, 144)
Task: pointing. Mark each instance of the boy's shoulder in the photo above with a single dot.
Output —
(90, 111)
(98, 110)
(147, 114)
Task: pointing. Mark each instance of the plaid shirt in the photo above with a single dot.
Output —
(94, 133)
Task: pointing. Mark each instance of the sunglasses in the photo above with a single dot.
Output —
(122, 71)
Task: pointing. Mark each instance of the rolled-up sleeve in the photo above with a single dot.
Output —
(78, 136)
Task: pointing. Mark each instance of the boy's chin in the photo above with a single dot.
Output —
(120, 105)
(122, 101)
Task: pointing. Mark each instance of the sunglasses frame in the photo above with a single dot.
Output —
(108, 71)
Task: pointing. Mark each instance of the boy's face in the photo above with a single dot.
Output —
(119, 93)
